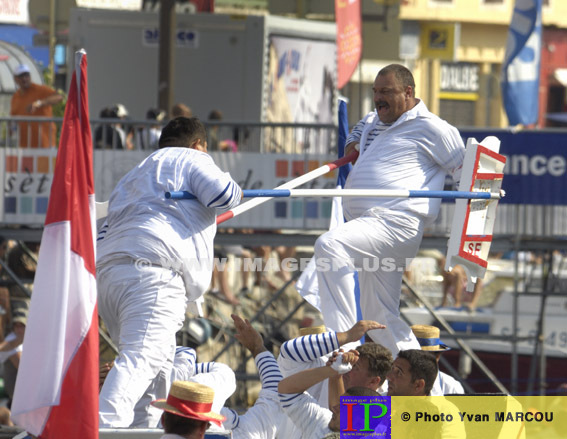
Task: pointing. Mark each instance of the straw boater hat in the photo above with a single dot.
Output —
(428, 338)
(190, 400)
(312, 330)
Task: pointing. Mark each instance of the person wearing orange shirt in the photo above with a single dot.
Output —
(34, 100)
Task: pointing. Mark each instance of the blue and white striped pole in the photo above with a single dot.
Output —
(380, 193)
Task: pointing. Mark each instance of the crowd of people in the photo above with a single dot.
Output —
(401, 146)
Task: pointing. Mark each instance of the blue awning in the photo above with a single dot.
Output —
(22, 36)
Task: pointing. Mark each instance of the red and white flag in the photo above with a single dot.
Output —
(56, 394)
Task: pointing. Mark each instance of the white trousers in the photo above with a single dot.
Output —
(142, 308)
(380, 244)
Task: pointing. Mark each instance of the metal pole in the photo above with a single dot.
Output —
(52, 41)
(514, 359)
(166, 67)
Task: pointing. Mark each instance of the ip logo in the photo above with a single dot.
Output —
(365, 417)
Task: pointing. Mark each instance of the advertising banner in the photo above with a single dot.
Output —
(535, 175)
(536, 167)
(27, 175)
(349, 39)
(301, 89)
(14, 11)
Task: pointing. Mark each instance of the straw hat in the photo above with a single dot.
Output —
(20, 315)
(428, 338)
(312, 330)
(190, 400)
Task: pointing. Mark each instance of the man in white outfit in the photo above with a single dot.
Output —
(402, 146)
(154, 256)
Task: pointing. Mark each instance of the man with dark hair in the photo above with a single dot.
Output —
(187, 131)
(402, 146)
(154, 257)
(413, 373)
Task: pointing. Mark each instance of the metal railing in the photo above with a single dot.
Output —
(284, 138)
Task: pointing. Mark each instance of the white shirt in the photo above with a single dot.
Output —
(216, 375)
(265, 418)
(311, 419)
(220, 378)
(415, 152)
(445, 385)
(142, 224)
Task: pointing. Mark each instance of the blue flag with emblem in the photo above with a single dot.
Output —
(520, 70)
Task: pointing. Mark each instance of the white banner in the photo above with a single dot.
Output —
(14, 11)
(27, 175)
(134, 5)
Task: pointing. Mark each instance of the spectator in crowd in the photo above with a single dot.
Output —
(114, 135)
(188, 411)
(11, 350)
(148, 136)
(107, 135)
(34, 100)
(22, 260)
(143, 305)
(428, 338)
(454, 287)
(5, 308)
(220, 284)
(181, 110)
(217, 143)
(126, 133)
(5, 417)
(10, 355)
